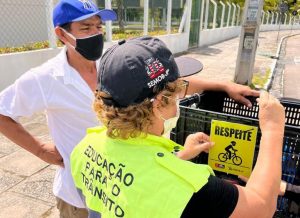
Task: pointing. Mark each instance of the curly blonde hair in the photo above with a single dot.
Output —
(134, 120)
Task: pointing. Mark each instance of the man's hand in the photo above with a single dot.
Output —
(50, 154)
(19, 135)
(239, 92)
(235, 91)
(194, 145)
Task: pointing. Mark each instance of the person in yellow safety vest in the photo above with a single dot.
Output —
(126, 168)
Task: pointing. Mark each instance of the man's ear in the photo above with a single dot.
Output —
(61, 35)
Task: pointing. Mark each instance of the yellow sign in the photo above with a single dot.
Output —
(234, 147)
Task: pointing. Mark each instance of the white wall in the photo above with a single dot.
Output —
(176, 42)
(213, 36)
(276, 27)
(13, 65)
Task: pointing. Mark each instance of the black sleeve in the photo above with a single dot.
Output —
(217, 198)
(292, 192)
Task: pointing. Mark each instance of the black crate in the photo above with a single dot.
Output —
(196, 113)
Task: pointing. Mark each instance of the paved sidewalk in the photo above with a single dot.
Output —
(219, 60)
(26, 181)
(291, 78)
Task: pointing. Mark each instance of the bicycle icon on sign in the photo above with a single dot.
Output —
(236, 160)
(230, 155)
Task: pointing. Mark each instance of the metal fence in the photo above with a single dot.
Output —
(24, 22)
(30, 21)
(217, 14)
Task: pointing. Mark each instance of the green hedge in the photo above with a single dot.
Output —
(26, 47)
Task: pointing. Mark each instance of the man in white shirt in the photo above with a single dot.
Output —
(63, 88)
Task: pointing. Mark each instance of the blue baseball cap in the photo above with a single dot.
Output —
(67, 11)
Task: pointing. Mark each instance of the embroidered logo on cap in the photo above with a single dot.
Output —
(154, 68)
(156, 71)
(88, 4)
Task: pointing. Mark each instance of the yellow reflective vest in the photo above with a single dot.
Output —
(137, 177)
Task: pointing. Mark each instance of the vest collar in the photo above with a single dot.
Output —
(149, 140)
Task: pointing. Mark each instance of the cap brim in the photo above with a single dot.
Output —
(188, 66)
(104, 14)
(107, 14)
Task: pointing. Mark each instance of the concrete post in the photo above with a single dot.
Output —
(223, 13)
(206, 14)
(277, 16)
(228, 16)
(50, 27)
(185, 22)
(183, 19)
(202, 15)
(263, 17)
(187, 25)
(164, 18)
(108, 23)
(215, 14)
(169, 16)
(285, 17)
(268, 17)
(146, 15)
(272, 17)
(248, 41)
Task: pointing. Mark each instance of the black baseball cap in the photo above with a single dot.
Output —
(134, 70)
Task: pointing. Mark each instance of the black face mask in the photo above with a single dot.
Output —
(90, 47)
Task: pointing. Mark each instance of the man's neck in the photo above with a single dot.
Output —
(86, 69)
(79, 63)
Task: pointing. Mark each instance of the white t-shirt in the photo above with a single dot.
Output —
(58, 89)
